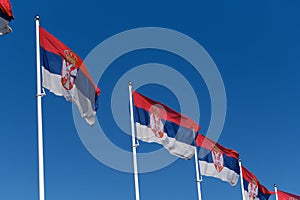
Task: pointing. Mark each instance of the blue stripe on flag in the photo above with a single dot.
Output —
(52, 62)
(84, 85)
(229, 162)
(173, 130)
(260, 195)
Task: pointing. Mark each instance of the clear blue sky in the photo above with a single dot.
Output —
(255, 45)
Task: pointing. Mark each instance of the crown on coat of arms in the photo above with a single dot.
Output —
(70, 57)
(216, 149)
(254, 182)
(155, 110)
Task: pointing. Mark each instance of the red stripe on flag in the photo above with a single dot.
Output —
(247, 175)
(209, 144)
(287, 196)
(6, 8)
(53, 45)
(171, 115)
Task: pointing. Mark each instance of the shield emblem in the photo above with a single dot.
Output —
(218, 159)
(156, 123)
(69, 70)
(252, 190)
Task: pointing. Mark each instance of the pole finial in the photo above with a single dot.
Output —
(129, 83)
(275, 185)
(37, 17)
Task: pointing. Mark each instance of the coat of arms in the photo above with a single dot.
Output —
(218, 159)
(69, 70)
(156, 123)
(252, 190)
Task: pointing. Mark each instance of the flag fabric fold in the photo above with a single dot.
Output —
(217, 161)
(286, 196)
(253, 190)
(158, 123)
(6, 16)
(64, 74)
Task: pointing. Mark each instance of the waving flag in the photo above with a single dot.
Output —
(217, 161)
(286, 196)
(65, 74)
(5, 16)
(253, 190)
(158, 123)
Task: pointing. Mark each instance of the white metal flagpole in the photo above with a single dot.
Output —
(39, 112)
(275, 188)
(134, 145)
(241, 178)
(198, 180)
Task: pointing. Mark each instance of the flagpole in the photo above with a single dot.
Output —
(134, 145)
(39, 96)
(241, 178)
(198, 180)
(275, 188)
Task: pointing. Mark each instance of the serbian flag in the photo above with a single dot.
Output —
(158, 123)
(286, 196)
(253, 190)
(65, 74)
(6, 16)
(217, 161)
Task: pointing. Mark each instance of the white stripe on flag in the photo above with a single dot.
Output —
(208, 169)
(53, 83)
(247, 196)
(175, 147)
(4, 28)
